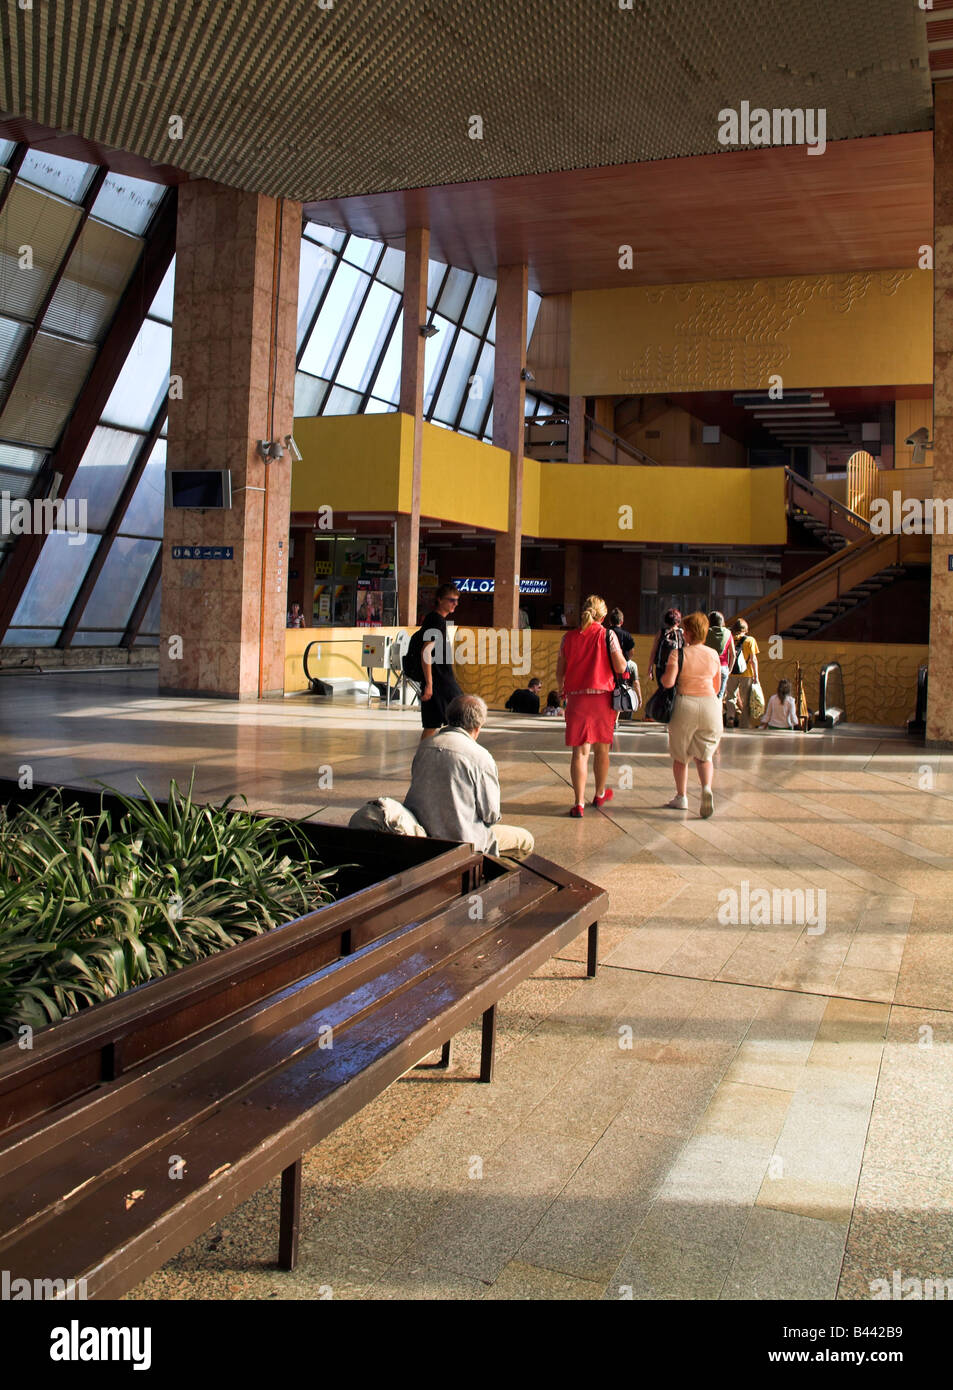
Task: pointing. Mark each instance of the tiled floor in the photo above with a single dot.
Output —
(732, 1109)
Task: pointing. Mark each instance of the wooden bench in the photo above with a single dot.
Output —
(133, 1127)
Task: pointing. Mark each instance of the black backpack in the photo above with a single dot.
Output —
(412, 661)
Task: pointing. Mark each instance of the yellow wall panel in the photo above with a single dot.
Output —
(464, 479)
(350, 462)
(858, 329)
(712, 506)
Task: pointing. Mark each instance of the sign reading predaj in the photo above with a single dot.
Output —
(483, 588)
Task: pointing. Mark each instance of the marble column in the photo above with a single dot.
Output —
(416, 264)
(940, 702)
(509, 394)
(233, 362)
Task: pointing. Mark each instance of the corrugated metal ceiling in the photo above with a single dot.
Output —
(287, 97)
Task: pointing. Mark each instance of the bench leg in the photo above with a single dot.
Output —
(290, 1216)
(593, 952)
(445, 1054)
(488, 1045)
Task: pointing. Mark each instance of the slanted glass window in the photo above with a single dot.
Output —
(479, 391)
(6, 150)
(144, 379)
(361, 252)
(119, 584)
(46, 390)
(127, 203)
(68, 178)
(102, 473)
(456, 380)
(12, 337)
(481, 302)
(161, 306)
(391, 268)
(35, 230)
(54, 583)
(327, 236)
(31, 637)
(149, 627)
(334, 321)
(341, 402)
(314, 272)
(145, 511)
(310, 392)
(98, 271)
(386, 385)
(454, 293)
(18, 467)
(533, 301)
(370, 331)
(435, 354)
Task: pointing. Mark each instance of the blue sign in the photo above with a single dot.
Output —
(484, 587)
(203, 552)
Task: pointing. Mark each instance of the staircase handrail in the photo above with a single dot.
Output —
(619, 443)
(831, 564)
(795, 480)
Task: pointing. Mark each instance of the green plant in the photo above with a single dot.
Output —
(89, 908)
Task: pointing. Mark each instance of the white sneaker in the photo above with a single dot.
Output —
(677, 803)
(708, 803)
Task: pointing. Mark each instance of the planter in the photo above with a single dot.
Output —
(390, 882)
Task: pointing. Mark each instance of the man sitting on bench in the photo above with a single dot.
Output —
(455, 786)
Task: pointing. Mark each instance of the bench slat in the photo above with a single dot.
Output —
(246, 1141)
(64, 1157)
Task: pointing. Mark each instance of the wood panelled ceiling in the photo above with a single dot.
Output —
(862, 205)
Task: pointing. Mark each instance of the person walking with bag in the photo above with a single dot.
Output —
(695, 727)
(590, 659)
(744, 673)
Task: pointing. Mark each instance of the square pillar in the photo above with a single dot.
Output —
(233, 357)
(509, 395)
(416, 265)
(940, 701)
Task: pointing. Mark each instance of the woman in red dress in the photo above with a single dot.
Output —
(589, 659)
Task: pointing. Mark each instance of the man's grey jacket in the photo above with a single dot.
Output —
(455, 789)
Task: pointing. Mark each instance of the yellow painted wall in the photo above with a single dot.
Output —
(880, 678)
(463, 479)
(339, 655)
(364, 462)
(857, 329)
(711, 506)
(352, 463)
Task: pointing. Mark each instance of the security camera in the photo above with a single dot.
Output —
(296, 453)
(919, 441)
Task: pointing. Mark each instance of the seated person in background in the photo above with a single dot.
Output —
(780, 713)
(526, 701)
(455, 786)
(553, 703)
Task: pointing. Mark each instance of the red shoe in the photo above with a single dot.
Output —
(577, 812)
(599, 801)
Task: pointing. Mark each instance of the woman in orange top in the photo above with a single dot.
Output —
(589, 660)
(695, 728)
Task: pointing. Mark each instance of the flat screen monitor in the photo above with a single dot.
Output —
(199, 489)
